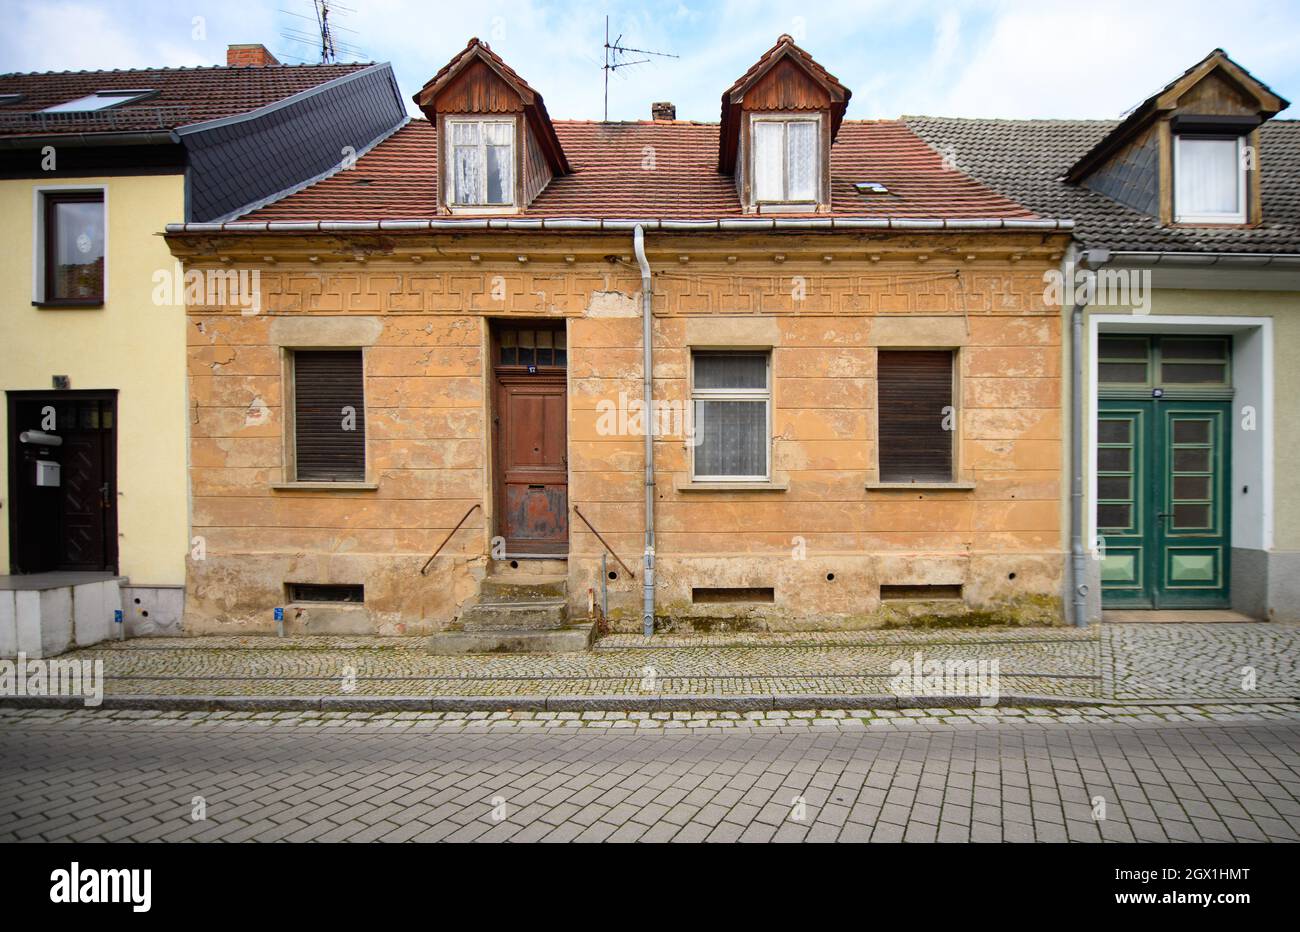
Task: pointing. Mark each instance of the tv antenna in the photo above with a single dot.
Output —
(613, 51)
(323, 36)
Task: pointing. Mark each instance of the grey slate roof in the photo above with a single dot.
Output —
(1025, 160)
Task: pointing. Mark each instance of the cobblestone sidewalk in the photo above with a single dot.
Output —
(1225, 662)
(1160, 773)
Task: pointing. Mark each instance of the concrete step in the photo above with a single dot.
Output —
(551, 613)
(529, 588)
(513, 640)
(529, 566)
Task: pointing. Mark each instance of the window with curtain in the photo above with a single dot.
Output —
(1209, 180)
(786, 164)
(482, 162)
(732, 400)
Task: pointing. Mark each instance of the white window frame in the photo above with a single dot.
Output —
(785, 118)
(1238, 216)
(38, 232)
(102, 100)
(450, 174)
(734, 394)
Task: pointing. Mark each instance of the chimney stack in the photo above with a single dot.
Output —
(254, 54)
(663, 110)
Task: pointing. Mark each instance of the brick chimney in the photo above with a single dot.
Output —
(663, 110)
(254, 54)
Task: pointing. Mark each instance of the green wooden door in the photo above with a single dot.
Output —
(1163, 504)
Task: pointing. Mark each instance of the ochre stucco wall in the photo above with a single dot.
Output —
(423, 326)
(130, 344)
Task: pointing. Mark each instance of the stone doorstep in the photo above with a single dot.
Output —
(613, 703)
(493, 640)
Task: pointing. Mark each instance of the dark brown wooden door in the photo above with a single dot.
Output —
(71, 526)
(532, 482)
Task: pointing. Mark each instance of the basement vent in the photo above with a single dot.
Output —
(891, 593)
(311, 592)
(734, 594)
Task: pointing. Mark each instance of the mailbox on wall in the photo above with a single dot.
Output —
(47, 473)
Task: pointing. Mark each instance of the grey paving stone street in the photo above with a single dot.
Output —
(1114, 773)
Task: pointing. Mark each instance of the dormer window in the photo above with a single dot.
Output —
(787, 162)
(481, 156)
(1209, 179)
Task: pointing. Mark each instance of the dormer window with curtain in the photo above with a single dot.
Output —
(1209, 179)
(787, 160)
(1189, 155)
(497, 146)
(779, 120)
(481, 159)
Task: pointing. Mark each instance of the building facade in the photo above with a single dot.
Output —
(1187, 349)
(855, 381)
(93, 165)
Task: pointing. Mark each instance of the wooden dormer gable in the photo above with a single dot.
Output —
(478, 87)
(784, 83)
(1137, 163)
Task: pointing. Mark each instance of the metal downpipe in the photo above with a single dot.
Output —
(648, 569)
(1092, 260)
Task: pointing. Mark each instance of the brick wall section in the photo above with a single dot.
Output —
(425, 336)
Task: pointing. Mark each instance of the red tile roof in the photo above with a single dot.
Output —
(397, 179)
(184, 96)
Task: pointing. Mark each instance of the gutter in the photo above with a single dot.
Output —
(1242, 260)
(1092, 260)
(741, 224)
(87, 140)
(647, 365)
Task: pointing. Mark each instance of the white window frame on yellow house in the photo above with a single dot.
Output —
(752, 395)
(784, 118)
(38, 239)
(482, 205)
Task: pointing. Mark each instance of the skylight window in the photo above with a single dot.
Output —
(871, 187)
(6, 99)
(100, 100)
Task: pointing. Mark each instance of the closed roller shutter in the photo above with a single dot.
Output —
(329, 416)
(913, 389)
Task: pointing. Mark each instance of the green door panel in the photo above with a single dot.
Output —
(1162, 503)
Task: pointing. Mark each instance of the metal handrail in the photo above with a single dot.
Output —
(424, 569)
(602, 540)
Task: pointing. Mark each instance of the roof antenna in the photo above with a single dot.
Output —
(323, 35)
(612, 63)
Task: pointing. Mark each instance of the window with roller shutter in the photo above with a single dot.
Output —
(914, 411)
(329, 415)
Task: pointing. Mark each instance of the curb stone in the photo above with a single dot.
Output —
(614, 703)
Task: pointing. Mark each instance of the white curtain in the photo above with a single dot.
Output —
(733, 438)
(801, 161)
(768, 161)
(498, 138)
(467, 165)
(1209, 172)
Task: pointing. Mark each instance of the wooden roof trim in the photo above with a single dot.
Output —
(1166, 99)
(785, 47)
(534, 108)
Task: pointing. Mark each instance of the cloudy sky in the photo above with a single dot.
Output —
(1037, 58)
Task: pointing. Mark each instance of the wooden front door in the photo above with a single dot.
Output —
(71, 525)
(1163, 503)
(531, 420)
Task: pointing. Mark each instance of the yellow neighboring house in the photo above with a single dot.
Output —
(94, 517)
